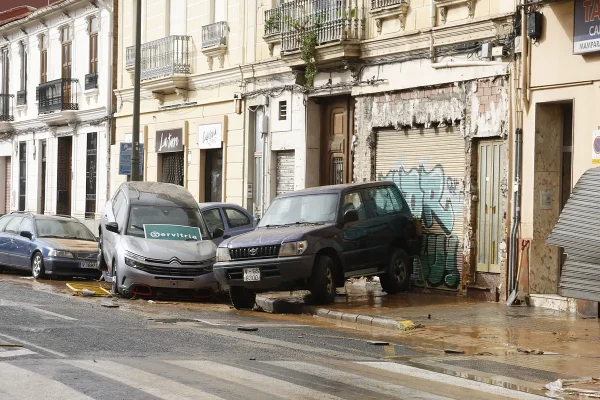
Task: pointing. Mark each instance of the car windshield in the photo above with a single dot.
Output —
(61, 229)
(311, 208)
(141, 215)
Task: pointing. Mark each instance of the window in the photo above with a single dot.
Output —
(43, 59)
(236, 218)
(22, 174)
(162, 215)
(23, 52)
(118, 202)
(4, 221)
(310, 209)
(177, 17)
(4, 84)
(59, 228)
(383, 201)
(353, 201)
(90, 175)
(93, 45)
(26, 225)
(66, 37)
(13, 225)
(121, 214)
(282, 110)
(219, 10)
(213, 219)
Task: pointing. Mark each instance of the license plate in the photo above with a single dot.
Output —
(251, 274)
(89, 265)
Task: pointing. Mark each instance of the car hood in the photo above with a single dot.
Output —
(166, 249)
(72, 245)
(275, 235)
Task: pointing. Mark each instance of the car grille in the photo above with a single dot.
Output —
(173, 271)
(265, 272)
(254, 252)
(86, 256)
(176, 260)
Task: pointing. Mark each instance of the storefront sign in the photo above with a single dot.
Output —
(586, 27)
(596, 147)
(210, 136)
(169, 141)
(171, 232)
(125, 158)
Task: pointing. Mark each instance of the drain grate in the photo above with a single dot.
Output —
(508, 370)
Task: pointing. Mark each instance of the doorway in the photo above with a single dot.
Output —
(213, 177)
(566, 165)
(64, 175)
(336, 130)
(43, 180)
(172, 168)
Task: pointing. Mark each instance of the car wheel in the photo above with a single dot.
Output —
(396, 278)
(322, 282)
(37, 266)
(115, 288)
(242, 298)
(101, 263)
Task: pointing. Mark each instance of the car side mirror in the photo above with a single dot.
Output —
(217, 233)
(112, 227)
(350, 216)
(27, 234)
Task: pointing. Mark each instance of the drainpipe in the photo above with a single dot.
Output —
(525, 66)
(513, 253)
(432, 19)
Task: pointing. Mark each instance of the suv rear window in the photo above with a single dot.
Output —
(384, 201)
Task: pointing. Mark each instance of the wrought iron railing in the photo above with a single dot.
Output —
(21, 97)
(273, 21)
(162, 57)
(214, 34)
(57, 95)
(91, 81)
(6, 107)
(385, 3)
(331, 20)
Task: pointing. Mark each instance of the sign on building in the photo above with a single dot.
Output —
(586, 27)
(125, 158)
(210, 136)
(169, 141)
(596, 147)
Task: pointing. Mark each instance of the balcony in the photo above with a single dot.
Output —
(337, 24)
(272, 28)
(21, 98)
(214, 42)
(6, 110)
(382, 9)
(58, 95)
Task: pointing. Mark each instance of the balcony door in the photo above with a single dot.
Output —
(64, 175)
(66, 64)
(4, 100)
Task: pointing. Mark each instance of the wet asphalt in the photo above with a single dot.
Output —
(105, 348)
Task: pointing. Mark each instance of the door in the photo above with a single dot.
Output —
(214, 175)
(428, 166)
(285, 168)
(8, 243)
(116, 206)
(172, 168)
(64, 175)
(214, 220)
(355, 234)
(22, 175)
(43, 180)
(238, 221)
(4, 240)
(7, 180)
(335, 140)
(489, 210)
(66, 65)
(22, 246)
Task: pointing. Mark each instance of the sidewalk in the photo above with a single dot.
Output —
(517, 346)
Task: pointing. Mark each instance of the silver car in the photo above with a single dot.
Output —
(154, 240)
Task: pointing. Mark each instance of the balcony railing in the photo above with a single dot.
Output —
(162, 57)
(331, 20)
(91, 81)
(385, 3)
(272, 21)
(57, 95)
(6, 107)
(21, 97)
(214, 34)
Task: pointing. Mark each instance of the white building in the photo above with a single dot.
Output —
(56, 100)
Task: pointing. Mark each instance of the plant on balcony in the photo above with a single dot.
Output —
(307, 54)
(273, 22)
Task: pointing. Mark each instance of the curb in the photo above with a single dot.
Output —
(281, 306)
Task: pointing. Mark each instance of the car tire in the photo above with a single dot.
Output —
(242, 298)
(116, 289)
(37, 266)
(101, 262)
(322, 282)
(396, 278)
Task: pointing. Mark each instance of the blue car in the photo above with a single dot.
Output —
(231, 218)
(48, 245)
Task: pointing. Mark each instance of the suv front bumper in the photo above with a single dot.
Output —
(275, 273)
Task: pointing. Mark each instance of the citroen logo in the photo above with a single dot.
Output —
(253, 251)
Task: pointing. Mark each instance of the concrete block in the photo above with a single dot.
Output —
(334, 315)
(322, 312)
(384, 323)
(364, 320)
(349, 317)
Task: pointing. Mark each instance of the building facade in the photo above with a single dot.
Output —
(56, 102)
(418, 93)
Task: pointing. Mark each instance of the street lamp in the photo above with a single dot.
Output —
(135, 135)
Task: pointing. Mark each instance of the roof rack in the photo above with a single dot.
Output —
(64, 216)
(20, 212)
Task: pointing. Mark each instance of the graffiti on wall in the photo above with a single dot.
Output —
(437, 199)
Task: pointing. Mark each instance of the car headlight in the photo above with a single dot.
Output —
(60, 254)
(223, 254)
(293, 248)
(132, 263)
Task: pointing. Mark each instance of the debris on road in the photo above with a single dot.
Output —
(450, 351)
(150, 301)
(534, 352)
(110, 305)
(378, 343)
(10, 345)
(246, 329)
(587, 387)
(88, 290)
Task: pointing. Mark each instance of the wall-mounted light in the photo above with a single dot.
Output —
(238, 103)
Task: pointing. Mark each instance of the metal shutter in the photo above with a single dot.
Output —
(285, 172)
(428, 166)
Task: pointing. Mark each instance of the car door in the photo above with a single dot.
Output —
(214, 220)
(110, 212)
(238, 221)
(22, 246)
(355, 234)
(4, 240)
(11, 232)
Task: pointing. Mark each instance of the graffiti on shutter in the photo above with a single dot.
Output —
(172, 168)
(285, 172)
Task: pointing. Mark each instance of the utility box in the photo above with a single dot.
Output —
(534, 25)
